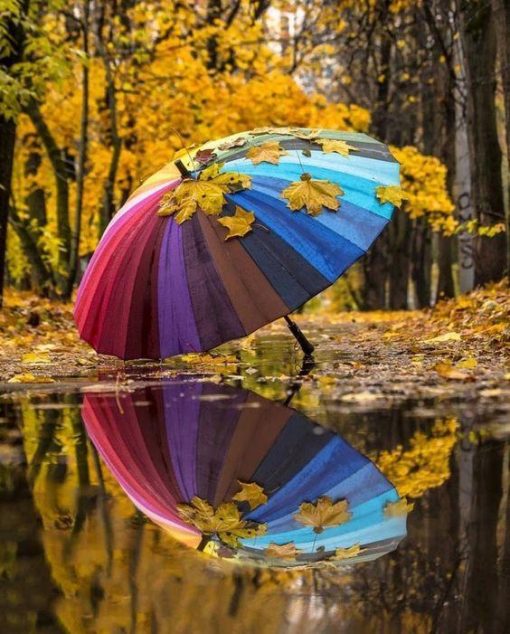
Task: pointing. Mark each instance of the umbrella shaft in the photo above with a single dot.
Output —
(306, 346)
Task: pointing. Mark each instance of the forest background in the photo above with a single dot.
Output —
(95, 96)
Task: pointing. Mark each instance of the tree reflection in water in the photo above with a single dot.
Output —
(78, 557)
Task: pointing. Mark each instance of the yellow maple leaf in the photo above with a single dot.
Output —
(446, 370)
(312, 194)
(239, 224)
(234, 143)
(346, 553)
(444, 338)
(225, 522)
(334, 145)
(268, 152)
(323, 513)
(206, 193)
(28, 377)
(391, 194)
(305, 134)
(35, 358)
(252, 493)
(400, 508)
(282, 551)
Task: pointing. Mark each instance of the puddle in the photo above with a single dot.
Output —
(149, 501)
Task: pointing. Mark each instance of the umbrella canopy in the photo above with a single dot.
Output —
(236, 475)
(231, 236)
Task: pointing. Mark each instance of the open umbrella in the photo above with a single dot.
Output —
(229, 472)
(232, 235)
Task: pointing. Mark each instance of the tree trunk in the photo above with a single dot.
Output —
(58, 160)
(400, 239)
(422, 263)
(480, 52)
(74, 256)
(10, 58)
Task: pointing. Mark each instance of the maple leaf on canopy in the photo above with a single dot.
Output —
(207, 193)
(282, 551)
(239, 224)
(225, 522)
(229, 145)
(268, 152)
(323, 513)
(391, 194)
(205, 156)
(334, 145)
(346, 553)
(252, 493)
(400, 508)
(305, 134)
(312, 194)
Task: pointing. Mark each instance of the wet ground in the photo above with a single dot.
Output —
(93, 468)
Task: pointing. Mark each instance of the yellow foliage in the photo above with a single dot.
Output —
(426, 464)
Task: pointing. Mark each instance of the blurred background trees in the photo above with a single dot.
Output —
(94, 96)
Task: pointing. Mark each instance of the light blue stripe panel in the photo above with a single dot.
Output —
(359, 488)
(357, 191)
(368, 508)
(364, 519)
(381, 172)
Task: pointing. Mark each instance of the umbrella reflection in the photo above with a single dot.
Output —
(241, 477)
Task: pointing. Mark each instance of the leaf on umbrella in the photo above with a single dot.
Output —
(239, 224)
(323, 513)
(282, 551)
(334, 145)
(346, 553)
(270, 130)
(305, 135)
(252, 493)
(269, 152)
(206, 193)
(205, 156)
(400, 508)
(391, 194)
(229, 145)
(312, 194)
(306, 153)
(225, 522)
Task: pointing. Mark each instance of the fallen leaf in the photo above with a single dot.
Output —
(239, 224)
(361, 397)
(446, 370)
(391, 194)
(34, 358)
(306, 153)
(282, 551)
(346, 553)
(323, 513)
(312, 194)
(205, 156)
(334, 145)
(400, 508)
(225, 522)
(252, 493)
(229, 145)
(469, 363)
(305, 134)
(28, 377)
(269, 152)
(448, 336)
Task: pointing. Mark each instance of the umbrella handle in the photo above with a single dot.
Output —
(306, 346)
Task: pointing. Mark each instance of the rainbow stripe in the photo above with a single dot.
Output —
(155, 288)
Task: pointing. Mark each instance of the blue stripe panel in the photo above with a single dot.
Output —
(368, 169)
(358, 191)
(336, 462)
(326, 251)
(289, 273)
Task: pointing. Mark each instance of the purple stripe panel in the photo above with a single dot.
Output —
(177, 327)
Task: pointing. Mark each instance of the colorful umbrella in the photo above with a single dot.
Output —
(232, 235)
(236, 475)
